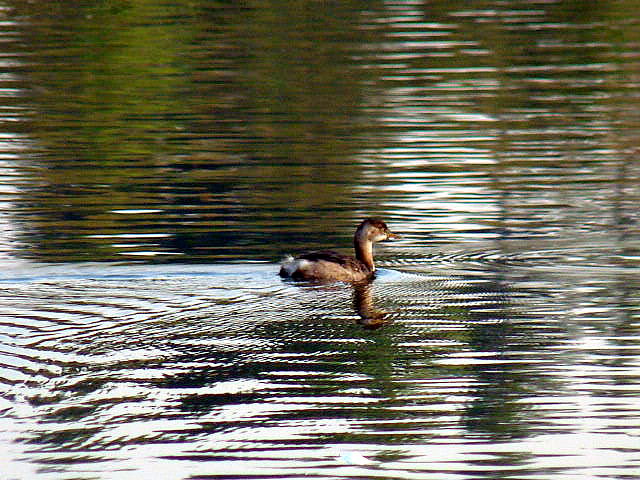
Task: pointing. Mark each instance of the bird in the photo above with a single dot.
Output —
(328, 265)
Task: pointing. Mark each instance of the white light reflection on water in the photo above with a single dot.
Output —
(11, 180)
(499, 142)
(213, 370)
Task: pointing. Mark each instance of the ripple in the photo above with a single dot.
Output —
(499, 337)
(227, 360)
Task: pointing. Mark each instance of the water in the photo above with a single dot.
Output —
(158, 159)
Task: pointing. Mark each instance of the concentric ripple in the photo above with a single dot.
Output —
(447, 364)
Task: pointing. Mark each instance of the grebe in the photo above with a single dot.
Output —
(327, 265)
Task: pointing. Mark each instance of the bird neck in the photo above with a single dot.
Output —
(364, 250)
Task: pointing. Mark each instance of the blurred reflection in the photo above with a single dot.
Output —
(225, 116)
(213, 130)
(371, 317)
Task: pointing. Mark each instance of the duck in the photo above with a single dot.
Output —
(331, 266)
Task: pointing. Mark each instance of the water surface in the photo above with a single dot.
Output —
(158, 159)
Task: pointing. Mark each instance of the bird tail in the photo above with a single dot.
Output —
(288, 266)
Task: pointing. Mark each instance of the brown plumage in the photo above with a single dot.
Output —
(327, 265)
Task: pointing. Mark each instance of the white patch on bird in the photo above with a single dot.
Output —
(290, 264)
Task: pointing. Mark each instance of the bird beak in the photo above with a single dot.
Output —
(393, 236)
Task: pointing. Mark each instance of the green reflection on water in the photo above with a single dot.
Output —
(233, 131)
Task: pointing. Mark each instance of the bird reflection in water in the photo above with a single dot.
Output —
(371, 317)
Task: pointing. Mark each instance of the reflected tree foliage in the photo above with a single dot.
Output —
(234, 130)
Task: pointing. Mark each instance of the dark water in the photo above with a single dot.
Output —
(158, 158)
